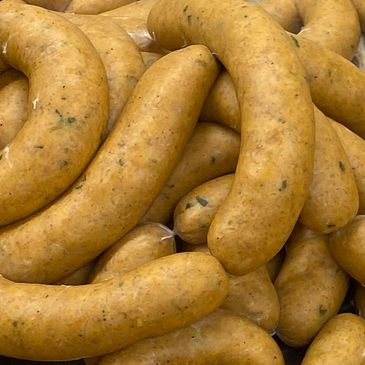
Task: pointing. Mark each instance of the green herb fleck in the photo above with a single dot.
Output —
(63, 121)
(40, 146)
(322, 310)
(189, 19)
(189, 205)
(342, 166)
(121, 162)
(295, 41)
(283, 185)
(202, 201)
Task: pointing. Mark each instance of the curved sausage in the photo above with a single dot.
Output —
(220, 338)
(276, 159)
(60, 136)
(128, 308)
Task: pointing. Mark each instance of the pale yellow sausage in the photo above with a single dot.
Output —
(221, 104)
(94, 6)
(195, 211)
(142, 244)
(211, 152)
(330, 24)
(347, 246)
(311, 287)
(122, 61)
(34, 41)
(221, 338)
(333, 199)
(341, 341)
(251, 296)
(13, 109)
(52, 322)
(120, 56)
(337, 86)
(275, 165)
(110, 197)
(354, 147)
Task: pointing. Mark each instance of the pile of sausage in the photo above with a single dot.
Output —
(137, 225)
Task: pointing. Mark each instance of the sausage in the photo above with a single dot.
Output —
(311, 287)
(250, 296)
(13, 109)
(121, 58)
(220, 338)
(354, 147)
(211, 152)
(195, 211)
(94, 6)
(275, 183)
(333, 199)
(337, 86)
(110, 197)
(69, 132)
(324, 22)
(347, 246)
(142, 244)
(341, 341)
(221, 104)
(128, 308)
